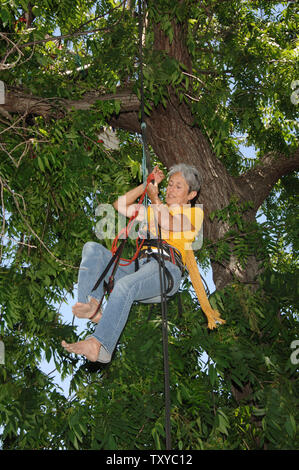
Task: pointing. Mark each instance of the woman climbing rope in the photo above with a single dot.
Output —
(176, 222)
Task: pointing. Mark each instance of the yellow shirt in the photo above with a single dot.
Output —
(181, 240)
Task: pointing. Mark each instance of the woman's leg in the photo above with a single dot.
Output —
(143, 284)
(95, 258)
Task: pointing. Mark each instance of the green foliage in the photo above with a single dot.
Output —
(231, 388)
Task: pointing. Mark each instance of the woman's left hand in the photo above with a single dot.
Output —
(152, 192)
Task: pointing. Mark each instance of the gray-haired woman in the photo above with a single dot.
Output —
(179, 224)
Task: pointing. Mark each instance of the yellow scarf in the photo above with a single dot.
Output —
(213, 316)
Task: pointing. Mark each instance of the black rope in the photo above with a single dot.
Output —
(141, 78)
(108, 286)
(161, 263)
(162, 277)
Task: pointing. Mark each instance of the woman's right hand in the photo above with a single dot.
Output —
(158, 174)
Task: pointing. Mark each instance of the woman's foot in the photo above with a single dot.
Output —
(89, 348)
(81, 310)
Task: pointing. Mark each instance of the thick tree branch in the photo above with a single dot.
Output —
(258, 182)
(16, 101)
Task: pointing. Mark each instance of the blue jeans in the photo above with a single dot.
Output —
(129, 286)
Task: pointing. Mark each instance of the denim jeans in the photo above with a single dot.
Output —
(129, 286)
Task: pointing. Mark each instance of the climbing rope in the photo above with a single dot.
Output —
(146, 169)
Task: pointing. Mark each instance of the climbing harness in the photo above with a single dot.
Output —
(150, 248)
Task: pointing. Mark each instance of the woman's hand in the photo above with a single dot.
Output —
(153, 193)
(152, 189)
(158, 174)
(126, 204)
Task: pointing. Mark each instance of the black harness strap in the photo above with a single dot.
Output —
(174, 255)
(115, 259)
(108, 286)
(165, 279)
(162, 272)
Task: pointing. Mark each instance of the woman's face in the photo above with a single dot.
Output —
(177, 191)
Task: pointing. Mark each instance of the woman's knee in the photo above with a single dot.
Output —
(91, 248)
(122, 287)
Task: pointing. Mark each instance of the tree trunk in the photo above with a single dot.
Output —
(174, 139)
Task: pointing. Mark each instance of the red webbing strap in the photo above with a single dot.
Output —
(125, 231)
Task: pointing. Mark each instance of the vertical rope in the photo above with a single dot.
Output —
(146, 154)
(164, 312)
(146, 169)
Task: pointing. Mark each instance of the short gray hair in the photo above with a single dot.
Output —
(190, 173)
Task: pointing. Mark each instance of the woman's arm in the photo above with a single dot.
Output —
(125, 204)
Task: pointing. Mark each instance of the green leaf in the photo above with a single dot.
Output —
(40, 164)
(212, 374)
(290, 426)
(223, 423)
(48, 354)
(5, 16)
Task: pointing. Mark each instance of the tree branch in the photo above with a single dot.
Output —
(14, 195)
(258, 182)
(16, 101)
